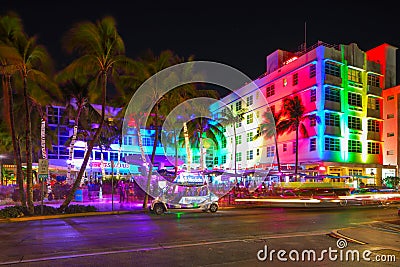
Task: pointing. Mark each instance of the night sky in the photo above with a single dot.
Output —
(240, 35)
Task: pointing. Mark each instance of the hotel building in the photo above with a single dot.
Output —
(342, 88)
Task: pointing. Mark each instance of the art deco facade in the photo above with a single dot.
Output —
(341, 88)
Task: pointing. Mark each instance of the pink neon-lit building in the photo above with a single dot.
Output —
(391, 100)
(341, 87)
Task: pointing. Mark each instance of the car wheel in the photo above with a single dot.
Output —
(213, 207)
(158, 208)
(343, 202)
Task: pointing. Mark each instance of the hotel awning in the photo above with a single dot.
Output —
(158, 159)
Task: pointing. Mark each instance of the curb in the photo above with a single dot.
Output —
(60, 216)
(336, 234)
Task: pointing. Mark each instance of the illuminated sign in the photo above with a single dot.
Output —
(189, 179)
(290, 60)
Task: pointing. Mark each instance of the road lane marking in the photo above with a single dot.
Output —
(162, 247)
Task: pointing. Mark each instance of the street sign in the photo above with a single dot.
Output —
(43, 167)
(43, 177)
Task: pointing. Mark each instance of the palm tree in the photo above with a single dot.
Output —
(270, 128)
(76, 95)
(228, 117)
(11, 29)
(293, 112)
(33, 64)
(100, 50)
(147, 66)
(199, 129)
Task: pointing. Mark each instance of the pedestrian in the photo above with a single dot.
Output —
(121, 190)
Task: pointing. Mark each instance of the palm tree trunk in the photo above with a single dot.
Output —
(71, 151)
(277, 153)
(28, 147)
(153, 154)
(78, 180)
(201, 153)
(119, 159)
(176, 153)
(72, 144)
(16, 146)
(188, 151)
(234, 148)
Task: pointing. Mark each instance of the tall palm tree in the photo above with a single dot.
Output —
(100, 50)
(293, 112)
(146, 66)
(11, 29)
(34, 65)
(76, 94)
(229, 117)
(199, 129)
(270, 128)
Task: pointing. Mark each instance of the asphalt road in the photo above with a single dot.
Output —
(230, 237)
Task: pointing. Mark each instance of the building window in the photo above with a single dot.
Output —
(332, 144)
(249, 100)
(374, 126)
(270, 151)
(332, 119)
(249, 136)
(374, 103)
(354, 123)
(258, 152)
(223, 143)
(223, 159)
(238, 139)
(238, 105)
(238, 124)
(373, 80)
(313, 144)
(249, 154)
(114, 156)
(374, 148)
(239, 156)
(390, 152)
(353, 172)
(284, 82)
(79, 154)
(313, 95)
(354, 99)
(390, 116)
(313, 120)
(312, 70)
(332, 94)
(354, 76)
(284, 147)
(390, 134)
(390, 97)
(250, 118)
(295, 79)
(270, 91)
(354, 146)
(272, 109)
(294, 147)
(332, 68)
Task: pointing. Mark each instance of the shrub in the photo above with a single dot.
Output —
(47, 210)
(12, 212)
(80, 208)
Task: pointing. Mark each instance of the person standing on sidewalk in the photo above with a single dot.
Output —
(121, 190)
